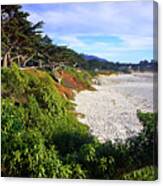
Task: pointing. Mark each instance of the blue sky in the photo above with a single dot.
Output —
(117, 31)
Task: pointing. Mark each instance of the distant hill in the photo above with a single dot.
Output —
(92, 57)
(95, 63)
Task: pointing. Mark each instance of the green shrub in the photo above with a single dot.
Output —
(41, 137)
(31, 128)
(145, 174)
(144, 147)
(14, 86)
(81, 75)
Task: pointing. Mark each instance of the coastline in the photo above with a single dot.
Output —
(111, 110)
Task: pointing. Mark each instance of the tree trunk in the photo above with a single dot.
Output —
(25, 60)
(5, 60)
(18, 57)
(40, 63)
(19, 61)
(9, 60)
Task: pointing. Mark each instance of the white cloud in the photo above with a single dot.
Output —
(129, 18)
(134, 42)
(131, 22)
(72, 41)
(129, 47)
(129, 42)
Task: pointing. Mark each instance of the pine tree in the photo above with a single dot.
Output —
(19, 36)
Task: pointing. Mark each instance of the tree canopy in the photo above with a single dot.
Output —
(22, 42)
(19, 36)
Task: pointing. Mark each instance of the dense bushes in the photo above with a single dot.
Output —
(144, 147)
(41, 136)
(82, 77)
(144, 174)
(34, 119)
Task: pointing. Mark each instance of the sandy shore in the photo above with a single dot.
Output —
(110, 112)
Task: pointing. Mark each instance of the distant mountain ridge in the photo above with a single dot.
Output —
(92, 57)
(95, 63)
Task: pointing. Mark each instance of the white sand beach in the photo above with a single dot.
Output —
(111, 110)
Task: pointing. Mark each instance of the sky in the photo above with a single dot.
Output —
(116, 31)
